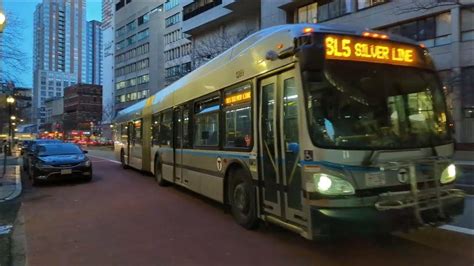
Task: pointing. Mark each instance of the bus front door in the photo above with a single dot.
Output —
(279, 147)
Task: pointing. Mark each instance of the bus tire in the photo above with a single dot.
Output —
(159, 174)
(242, 199)
(122, 160)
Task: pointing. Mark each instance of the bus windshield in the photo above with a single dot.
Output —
(376, 106)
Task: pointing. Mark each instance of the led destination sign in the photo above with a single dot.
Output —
(372, 50)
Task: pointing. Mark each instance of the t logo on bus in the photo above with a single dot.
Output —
(403, 175)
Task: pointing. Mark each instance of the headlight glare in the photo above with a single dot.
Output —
(449, 174)
(331, 185)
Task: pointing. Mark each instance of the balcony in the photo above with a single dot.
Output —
(199, 6)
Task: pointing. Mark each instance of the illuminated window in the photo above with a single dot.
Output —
(361, 4)
(308, 14)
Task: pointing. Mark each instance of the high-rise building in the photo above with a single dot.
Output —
(94, 52)
(108, 51)
(177, 47)
(138, 50)
(59, 53)
(445, 27)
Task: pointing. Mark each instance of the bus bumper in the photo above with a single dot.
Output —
(366, 216)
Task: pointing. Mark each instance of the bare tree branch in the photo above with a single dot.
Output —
(12, 59)
(210, 47)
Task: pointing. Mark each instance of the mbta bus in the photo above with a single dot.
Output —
(318, 129)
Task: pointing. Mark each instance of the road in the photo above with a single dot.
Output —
(124, 218)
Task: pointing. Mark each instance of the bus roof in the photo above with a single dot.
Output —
(248, 57)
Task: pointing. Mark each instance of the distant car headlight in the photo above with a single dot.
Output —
(448, 175)
(329, 185)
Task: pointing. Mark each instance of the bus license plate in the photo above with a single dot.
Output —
(375, 179)
(66, 171)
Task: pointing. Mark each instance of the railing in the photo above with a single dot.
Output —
(199, 6)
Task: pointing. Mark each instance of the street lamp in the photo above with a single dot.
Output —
(3, 21)
(10, 102)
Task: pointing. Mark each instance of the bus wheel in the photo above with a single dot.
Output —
(242, 199)
(159, 174)
(122, 160)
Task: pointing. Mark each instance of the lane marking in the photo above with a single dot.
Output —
(98, 157)
(458, 229)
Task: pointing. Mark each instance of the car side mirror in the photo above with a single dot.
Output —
(85, 151)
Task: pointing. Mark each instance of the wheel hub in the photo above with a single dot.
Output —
(241, 198)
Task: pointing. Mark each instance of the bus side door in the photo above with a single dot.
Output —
(279, 147)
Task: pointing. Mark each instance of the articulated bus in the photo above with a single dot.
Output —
(319, 129)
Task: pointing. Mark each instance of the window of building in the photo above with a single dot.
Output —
(171, 20)
(467, 24)
(169, 4)
(238, 117)
(443, 29)
(308, 13)
(361, 4)
(431, 31)
(333, 9)
(131, 26)
(143, 19)
(206, 123)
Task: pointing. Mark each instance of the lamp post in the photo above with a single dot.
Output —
(10, 103)
(3, 21)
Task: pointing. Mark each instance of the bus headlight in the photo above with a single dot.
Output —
(449, 174)
(330, 185)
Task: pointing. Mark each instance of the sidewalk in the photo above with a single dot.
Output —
(10, 182)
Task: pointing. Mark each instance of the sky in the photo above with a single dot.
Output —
(24, 10)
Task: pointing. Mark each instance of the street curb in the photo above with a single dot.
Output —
(18, 186)
(18, 237)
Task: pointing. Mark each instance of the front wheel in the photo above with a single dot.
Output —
(159, 174)
(242, 199)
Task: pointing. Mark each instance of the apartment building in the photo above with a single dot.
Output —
(138, 63)
(445, 27)
(94, 59)
(108, 53)
(214, 26)
(82, 106)
(59, 50)
(178, 48)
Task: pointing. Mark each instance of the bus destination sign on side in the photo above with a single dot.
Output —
(238, 97)
(371, 50)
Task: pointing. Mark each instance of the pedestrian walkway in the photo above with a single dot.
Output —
(10, 181)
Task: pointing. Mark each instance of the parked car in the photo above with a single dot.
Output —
(27, 150)
(59, 161)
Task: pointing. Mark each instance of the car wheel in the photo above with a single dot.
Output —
(159, 174)
(242, 199)
(122, 160)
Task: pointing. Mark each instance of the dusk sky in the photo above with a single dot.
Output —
(24, 9)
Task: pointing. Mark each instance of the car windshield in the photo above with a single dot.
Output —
(376, 106)
(58, 149)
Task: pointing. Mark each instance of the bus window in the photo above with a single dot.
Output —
(166, 133)
(238, 117)
(156, 128)
(206, 123)
(137, 131)
(124, 132)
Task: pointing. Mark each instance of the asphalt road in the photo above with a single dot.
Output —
(123, 217)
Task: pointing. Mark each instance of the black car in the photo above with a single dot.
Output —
(59, 161)
(29, 147)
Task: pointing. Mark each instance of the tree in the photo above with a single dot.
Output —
(12, 59)
(218, 42)
(108, 113)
